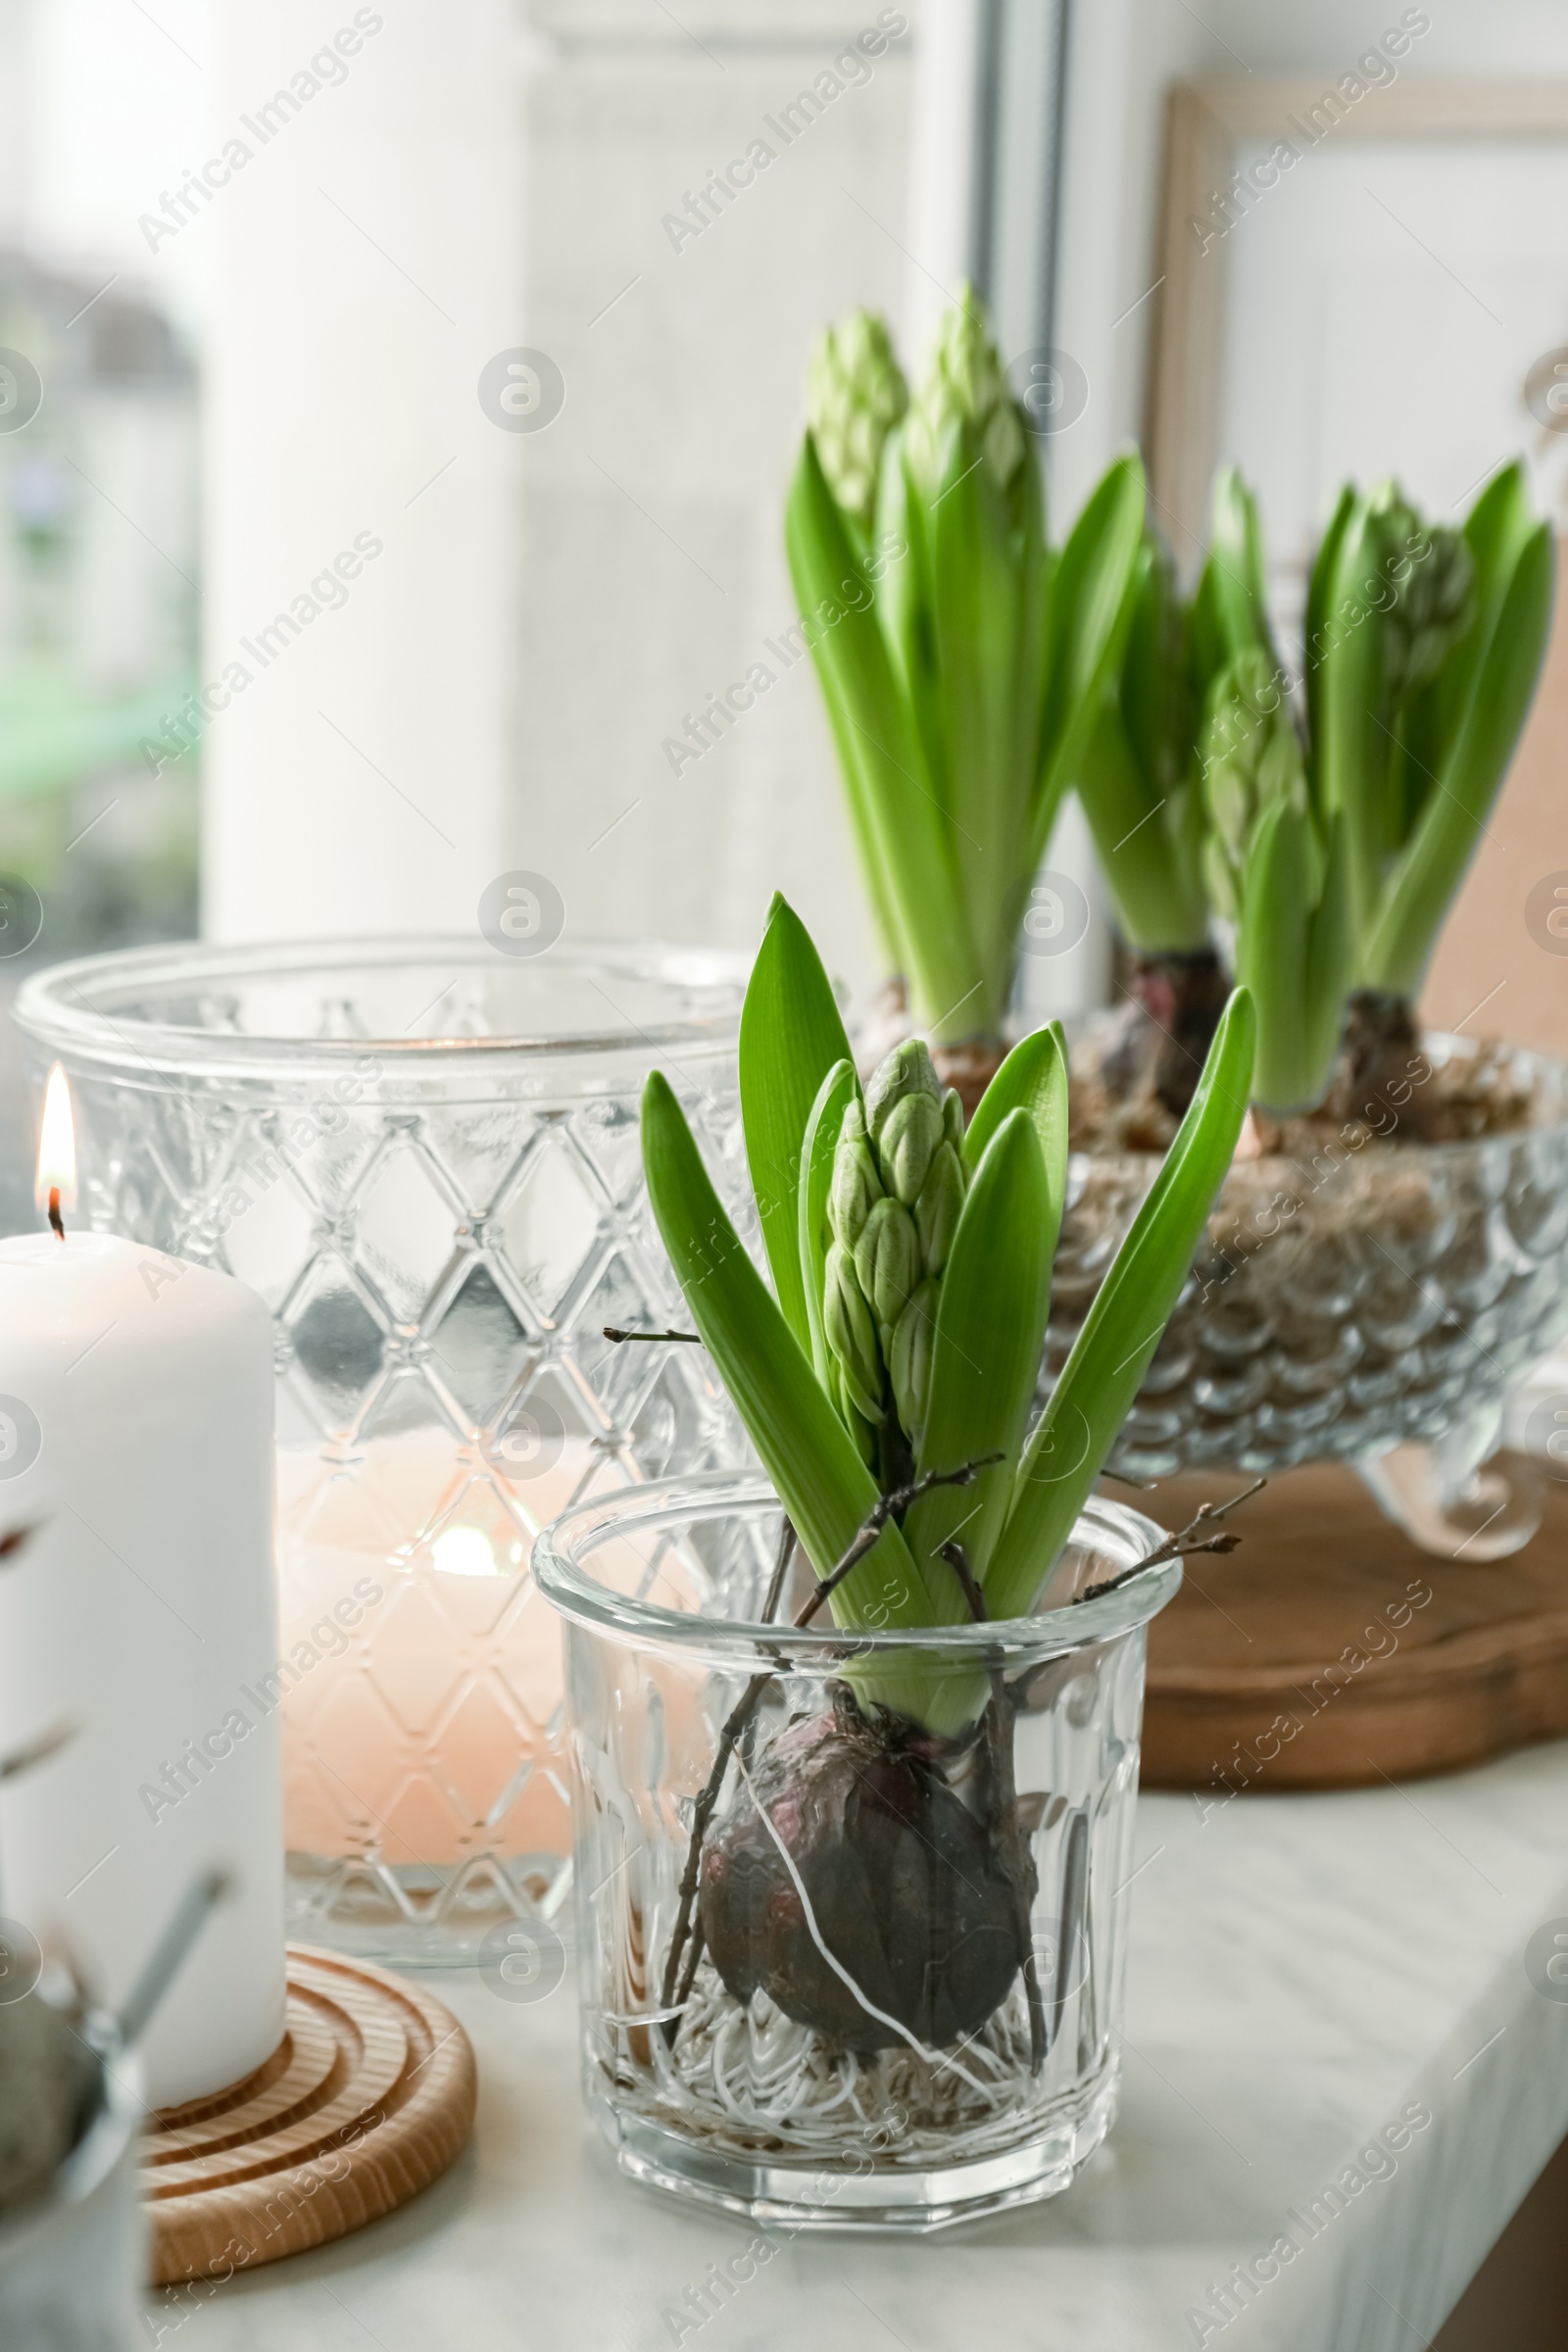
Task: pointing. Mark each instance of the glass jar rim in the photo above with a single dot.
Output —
(78, 1009)
(1123, 1535)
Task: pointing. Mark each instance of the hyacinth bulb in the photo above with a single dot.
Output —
(866, 1842)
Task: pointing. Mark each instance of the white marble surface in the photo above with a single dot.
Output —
(1302, 1969)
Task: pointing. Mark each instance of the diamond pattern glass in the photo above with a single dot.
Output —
(424, 1156)
(1378, 1295)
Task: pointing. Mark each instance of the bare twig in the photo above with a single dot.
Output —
(957, 1560)
(771, 1600)
(735, 1723)
(1196, 1536)
(687, 1339)
(23, 1760)
(695, 1950)
(889, 1507)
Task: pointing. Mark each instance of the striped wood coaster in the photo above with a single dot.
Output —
(366, 2099)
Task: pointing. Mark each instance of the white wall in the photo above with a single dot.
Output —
(546, 612)
(363, 269)
(652, 566)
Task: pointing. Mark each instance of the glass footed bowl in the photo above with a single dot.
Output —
(1364, 1305)
(896, 2001)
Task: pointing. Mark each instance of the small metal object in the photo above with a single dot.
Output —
(204, 1894)
(37, 1750)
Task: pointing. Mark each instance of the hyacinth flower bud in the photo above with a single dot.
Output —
(856, 1187)
(937, 1210)
(854, 395)
(910, 1137)
(1431, 574)
(908, 1070)
(1249, 756)
(953, 1118)
(861, 1429)
(963, 383)
(851, 1334)
(887, 1262)
(909, 1357)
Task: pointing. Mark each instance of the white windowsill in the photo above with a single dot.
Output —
(1304, 1968)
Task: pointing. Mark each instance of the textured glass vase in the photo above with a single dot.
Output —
(424, 1155)
(757, 2052)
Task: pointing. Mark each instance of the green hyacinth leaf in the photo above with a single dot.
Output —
(1090, 616)
(1123, 1327)
(1236, 556)
(1351, 749)
(898, 822)
(904, 610)
(985, 1360)
(1033, 1079)
(1319, 588)
(1330, 968)
(1431, 868)
(1158, 904)
(1294, 954)
(985, 602)
(791, 1037)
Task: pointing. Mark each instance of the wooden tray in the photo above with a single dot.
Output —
(1254, 1671)
(367, 2097)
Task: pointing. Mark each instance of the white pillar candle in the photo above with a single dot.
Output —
(136, 1420)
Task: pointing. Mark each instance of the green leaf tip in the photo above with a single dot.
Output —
(792, 1034)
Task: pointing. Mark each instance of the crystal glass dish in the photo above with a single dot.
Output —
(1375, 1297)
(424, 1155)
(708, 2069)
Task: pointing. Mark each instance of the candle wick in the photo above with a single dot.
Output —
(57, 1223)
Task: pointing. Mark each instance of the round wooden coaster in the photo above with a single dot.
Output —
(1328, 1652)
(367, 2097)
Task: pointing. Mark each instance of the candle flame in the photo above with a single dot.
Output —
(56, 1187)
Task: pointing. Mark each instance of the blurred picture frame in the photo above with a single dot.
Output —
(1214, 192)
(1363, 276)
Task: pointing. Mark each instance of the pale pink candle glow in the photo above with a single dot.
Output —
(419, 1677)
